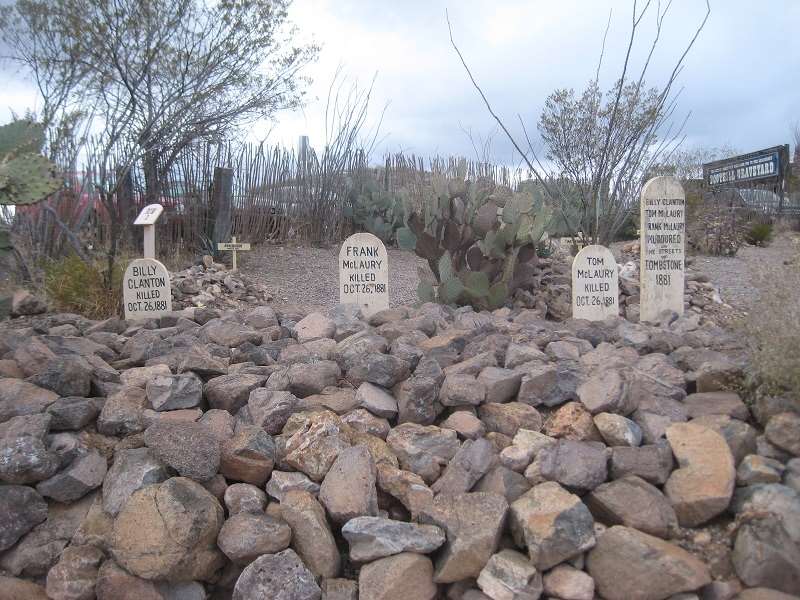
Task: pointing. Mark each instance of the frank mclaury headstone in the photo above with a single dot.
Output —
(595, 284)
(364, 273)
(663, 228)
(146, 290)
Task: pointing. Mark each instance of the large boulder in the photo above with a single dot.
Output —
(189, 448)
(371, 538)
(21, 509)
(348, 490)
(84, 473)
(399, 577)
(579, 466)
(702, 486)
(553, 524)
(171, 392)
(473, 523)
(633, 502)
(765, 555)
(19, 397)
(132, 470)
(281, 576)
(246, 536)
(169, 531)
(66, 376)
(472, 461)
(509, 576)
(75, 575)
(627, 564)
(312, 537)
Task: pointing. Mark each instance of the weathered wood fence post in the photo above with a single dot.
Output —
(222, 202)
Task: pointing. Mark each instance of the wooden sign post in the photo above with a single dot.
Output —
(148, 218)
(234, 247)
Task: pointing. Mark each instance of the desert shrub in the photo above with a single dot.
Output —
(759, 234)
(74, 285)
(772, 327)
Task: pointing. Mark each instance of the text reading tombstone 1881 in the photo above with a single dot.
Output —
(595, 284)
(663, 226)
(364, 273)
(146, 290)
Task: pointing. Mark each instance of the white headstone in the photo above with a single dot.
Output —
(146, 290)
(595, 284)
(663, 228)
(364, 273)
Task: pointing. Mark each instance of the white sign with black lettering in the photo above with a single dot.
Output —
(364, 273)
(146, 290)
(595, 284)
(663, 228)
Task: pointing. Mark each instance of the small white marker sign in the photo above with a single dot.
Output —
(595, 284)
(146, 290)
(149, 215)
(147, 218)
(663, 227)
(364, 273)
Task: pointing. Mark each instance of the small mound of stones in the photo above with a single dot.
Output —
(211, 284)
(418, 454)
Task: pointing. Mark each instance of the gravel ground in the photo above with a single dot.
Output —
(734, 275)
(308, 277)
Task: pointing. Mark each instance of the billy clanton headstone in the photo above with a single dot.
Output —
(595, 284)
(364, 273)
(146, 290)
(663, 227)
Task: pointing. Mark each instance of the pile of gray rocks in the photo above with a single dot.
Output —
(212, 284)
(419, 454)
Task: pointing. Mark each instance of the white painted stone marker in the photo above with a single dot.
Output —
(595, 284)
(146, 290)
(364, 273)
(663, 228)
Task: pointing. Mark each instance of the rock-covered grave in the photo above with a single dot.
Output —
(419, 453)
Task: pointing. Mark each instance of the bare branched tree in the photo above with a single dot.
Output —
(158, 74)
(603, 144)
(687, 163)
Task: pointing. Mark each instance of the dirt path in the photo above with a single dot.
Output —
(734, 276)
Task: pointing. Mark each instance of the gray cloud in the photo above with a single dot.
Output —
(739, 83)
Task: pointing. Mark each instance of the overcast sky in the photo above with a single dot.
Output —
(741, 81)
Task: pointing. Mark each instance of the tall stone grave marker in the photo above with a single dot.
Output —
(595, 284)
(364, 273)
(663, 228)
(146, 290)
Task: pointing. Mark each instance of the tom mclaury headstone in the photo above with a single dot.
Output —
(663, 228)
(364, 273)
(146, 290)
(595, 284)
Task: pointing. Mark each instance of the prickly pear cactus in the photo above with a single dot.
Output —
(479, 240)
(25, 175)
(375, 210)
